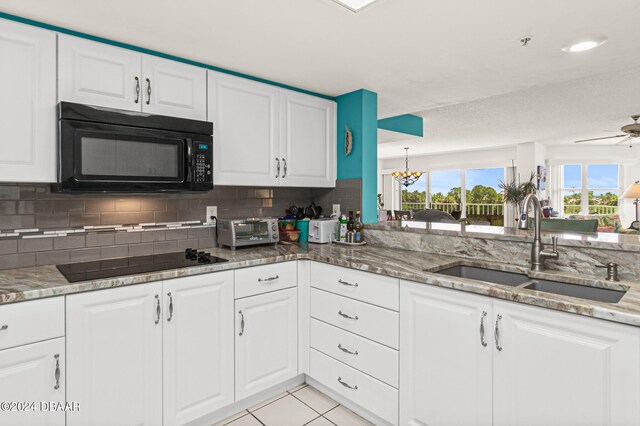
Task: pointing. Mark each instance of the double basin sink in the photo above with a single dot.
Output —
(524, 281)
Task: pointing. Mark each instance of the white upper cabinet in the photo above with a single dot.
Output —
(308, 148)
(99, 74)
(445, 357)
(173, 88)
(266, 136)
(198, 346)
(559, 369)
(245, 121)
(27, 103)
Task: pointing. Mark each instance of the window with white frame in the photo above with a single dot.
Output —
(590, 188)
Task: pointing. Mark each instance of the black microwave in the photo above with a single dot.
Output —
(109, 150)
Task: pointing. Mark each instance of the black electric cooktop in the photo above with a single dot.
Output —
(87, 271)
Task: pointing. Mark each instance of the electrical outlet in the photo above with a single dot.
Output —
(336, 210)
(211, 211)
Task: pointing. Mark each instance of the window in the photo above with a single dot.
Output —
(590, 188)
(446, 190)
(485, 200)
(415, 196)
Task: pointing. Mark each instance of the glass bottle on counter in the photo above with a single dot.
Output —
(357, 227)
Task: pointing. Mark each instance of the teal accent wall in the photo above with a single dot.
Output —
(153, 52)
(406, 123)
(359, 111)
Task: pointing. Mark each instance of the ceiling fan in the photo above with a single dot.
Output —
(629, 133)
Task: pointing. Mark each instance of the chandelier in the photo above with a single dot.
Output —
(406, 177)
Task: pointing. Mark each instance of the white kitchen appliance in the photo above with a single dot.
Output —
(322, 231)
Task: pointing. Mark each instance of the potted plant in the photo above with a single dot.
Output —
(516, 192)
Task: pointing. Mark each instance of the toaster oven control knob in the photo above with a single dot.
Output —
(274, 227)
(275, 236)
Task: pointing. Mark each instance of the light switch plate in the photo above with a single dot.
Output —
(336, 210)
(211, 211)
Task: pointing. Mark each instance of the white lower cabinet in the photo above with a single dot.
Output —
(114, 356)
(445, 362)
(514, 365)
(33, 373)
(266, 341)
(197, 346)
(560, 369)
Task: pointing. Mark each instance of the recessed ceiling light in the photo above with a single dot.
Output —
(584, 44)
(354, 5)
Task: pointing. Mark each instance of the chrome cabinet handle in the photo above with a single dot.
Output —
(241, 323)
(482, 341)
(348, 283)
(57, 372)
(157, 309)
(137, 90)
(284, 162)
(497, 332)
(346, 385)
(347, 316)
(4, 327)
(346, 351)
(148, 91)
(170, 306)
(266, 280)
(278, 167)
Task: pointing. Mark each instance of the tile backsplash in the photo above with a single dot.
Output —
(35, 206)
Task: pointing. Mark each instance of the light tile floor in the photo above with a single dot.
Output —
(302, 405)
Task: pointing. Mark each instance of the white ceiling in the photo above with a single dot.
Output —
(558, 113)
(416, 54)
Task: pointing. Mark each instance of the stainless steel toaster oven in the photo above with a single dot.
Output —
(234, 233)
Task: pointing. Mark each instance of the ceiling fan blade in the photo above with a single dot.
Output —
(625, 140)
(597, 139)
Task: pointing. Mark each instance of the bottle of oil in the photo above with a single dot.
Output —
(357, 227)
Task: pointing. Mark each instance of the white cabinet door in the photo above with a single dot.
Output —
(562, 369)
(114, 356)
(198, 346)
(445, 362)
(266, 341)
(27, 103)
(99, 74)
(308, 147)
(173, 88)
(245, 121)
(28, 374)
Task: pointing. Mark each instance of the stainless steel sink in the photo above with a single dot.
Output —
(483, 274)
(574, 290)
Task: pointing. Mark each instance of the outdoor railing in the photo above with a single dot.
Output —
(473, 209)
(593, 209)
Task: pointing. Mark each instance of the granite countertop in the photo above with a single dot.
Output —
(611, 241)
(46, 281)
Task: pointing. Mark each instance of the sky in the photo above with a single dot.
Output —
(599, 176)
(443, 181)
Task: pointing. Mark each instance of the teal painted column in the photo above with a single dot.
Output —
(359, 111)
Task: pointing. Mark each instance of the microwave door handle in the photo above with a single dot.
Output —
(190, 160)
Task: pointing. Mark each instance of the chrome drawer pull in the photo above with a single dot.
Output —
(241, 323)
(4, 327)
(148, 91)
(278, 167)
(266, 280)
(497, 332)
(348, 283)
(346, 385)
(346, 351)
(137, 90)
(482, 341)
(170, 307)
(347, 316)
(57, 372)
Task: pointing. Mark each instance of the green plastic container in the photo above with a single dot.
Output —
(303, 226)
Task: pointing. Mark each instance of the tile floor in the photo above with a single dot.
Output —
(302, 405)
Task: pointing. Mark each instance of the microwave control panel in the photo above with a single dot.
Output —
(203, 157)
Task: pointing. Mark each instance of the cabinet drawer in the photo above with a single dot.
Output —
(30, 322)
(265, 278)
(369, 357)
(364, 286)
(367, 392)
(372, 322)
